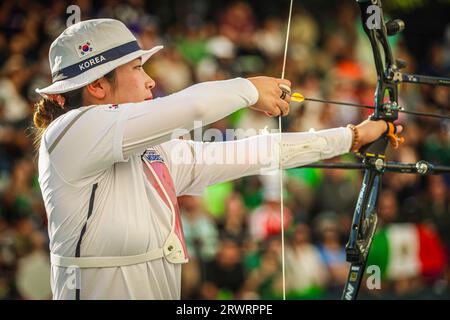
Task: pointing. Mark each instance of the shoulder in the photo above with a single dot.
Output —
(76, 118)
(57, 126)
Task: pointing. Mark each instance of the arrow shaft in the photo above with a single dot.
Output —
(358, 105)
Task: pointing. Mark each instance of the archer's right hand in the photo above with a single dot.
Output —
(271, 96)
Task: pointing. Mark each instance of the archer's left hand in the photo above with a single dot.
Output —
(370, 130)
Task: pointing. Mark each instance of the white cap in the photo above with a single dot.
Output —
(88, 50)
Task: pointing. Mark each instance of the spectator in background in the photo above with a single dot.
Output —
(219, 64)
(225, 275)
(233, 225)
(265, 279)
(3, 49)
(270, 38)
(238, 24)
(307, 273)
(436, 64)
(336, 192)
(308, 115)
(387, 207)
(192, 42)
(436, 147)
(435, 208)
(22, 199)
(8, 258)
(12, 81)
(22, 253)
(171, 71)
(404, 187)
(332, 251)
(265, 221)
(7, 147)
(202, 241)
(344, 79)
(200, 231)
(33, 270)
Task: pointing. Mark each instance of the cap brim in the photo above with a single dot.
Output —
(93, 74)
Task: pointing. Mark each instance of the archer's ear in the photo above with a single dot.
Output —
(98, 88)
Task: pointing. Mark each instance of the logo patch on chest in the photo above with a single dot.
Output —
(152, 156)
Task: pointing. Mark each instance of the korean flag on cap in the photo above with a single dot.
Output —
(85, 48)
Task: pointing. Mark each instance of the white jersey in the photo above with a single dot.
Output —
(110, 175)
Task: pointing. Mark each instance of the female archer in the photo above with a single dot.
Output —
(110, 171)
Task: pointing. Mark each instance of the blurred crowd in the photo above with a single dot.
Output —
(233, 230)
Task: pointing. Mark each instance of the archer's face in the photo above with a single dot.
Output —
(132, 84)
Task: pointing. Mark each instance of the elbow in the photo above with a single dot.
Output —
(199, 110)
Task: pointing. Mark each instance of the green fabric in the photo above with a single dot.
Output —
(309, 176)
(236, 116)
(252, 261)
(436, 150)
(214, 197)
(225, 294)
(266, 291)
(379, 252)
(193, 50)
(253, 200)
(250, 190)
(310, 293)
(35, 183)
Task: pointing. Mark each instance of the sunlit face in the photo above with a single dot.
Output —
(132, 84)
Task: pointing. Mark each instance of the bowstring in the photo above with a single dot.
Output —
(283, 267)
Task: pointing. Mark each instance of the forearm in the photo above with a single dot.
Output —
(308, 147)
(223, 161)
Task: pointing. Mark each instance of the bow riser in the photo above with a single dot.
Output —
(385, 108)
(384, 62)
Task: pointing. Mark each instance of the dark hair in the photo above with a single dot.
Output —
(47, 110)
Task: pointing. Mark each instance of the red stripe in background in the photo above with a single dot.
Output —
(431, 251)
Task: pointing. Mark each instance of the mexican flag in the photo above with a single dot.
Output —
(406, 250)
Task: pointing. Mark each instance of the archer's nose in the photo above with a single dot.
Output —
(149, 83)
